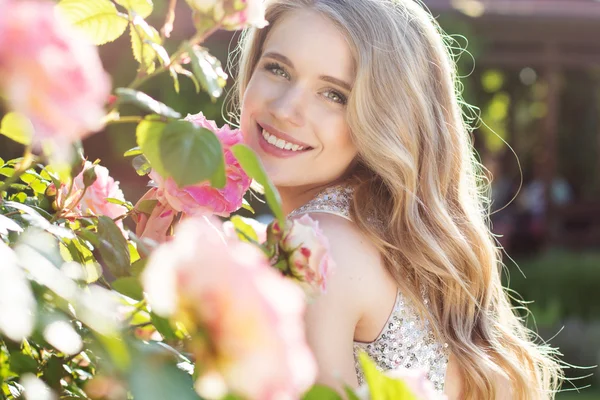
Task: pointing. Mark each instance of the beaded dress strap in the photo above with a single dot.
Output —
(333, 200)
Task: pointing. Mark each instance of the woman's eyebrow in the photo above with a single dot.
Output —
(283, 59)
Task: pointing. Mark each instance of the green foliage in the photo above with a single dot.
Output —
(558, 291)
(253, 167)
(183, 151)
(113, 247)
(322, 393)
(99, 20)
(16, 127)
(207, 69)
(92, 327)
(145, 41)
(141, 7)
(144, 102)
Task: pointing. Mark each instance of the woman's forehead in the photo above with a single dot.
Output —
(312, 43)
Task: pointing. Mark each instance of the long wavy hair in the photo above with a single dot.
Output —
(417, 172)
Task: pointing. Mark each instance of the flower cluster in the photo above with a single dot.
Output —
(199, 199)
(89, 195)
(251, 316)
(50, 74)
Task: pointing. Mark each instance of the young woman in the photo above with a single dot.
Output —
(353, 108)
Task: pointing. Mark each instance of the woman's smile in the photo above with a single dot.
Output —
(278, 143)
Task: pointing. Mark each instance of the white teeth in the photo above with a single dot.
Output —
(280, 143)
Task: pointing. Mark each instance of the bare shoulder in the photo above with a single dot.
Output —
(352, 289)
(359, 268)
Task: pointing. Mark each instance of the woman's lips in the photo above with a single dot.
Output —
(274, 150)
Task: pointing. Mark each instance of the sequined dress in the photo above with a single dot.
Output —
(406, 339)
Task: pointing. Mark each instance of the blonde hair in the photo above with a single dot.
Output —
(418, 173)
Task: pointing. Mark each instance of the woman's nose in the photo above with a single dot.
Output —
(288, 106)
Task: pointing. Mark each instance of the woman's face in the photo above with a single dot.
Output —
(294, 108)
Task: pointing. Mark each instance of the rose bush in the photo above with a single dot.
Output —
(92, 310)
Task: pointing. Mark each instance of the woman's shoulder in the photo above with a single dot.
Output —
(359, 271)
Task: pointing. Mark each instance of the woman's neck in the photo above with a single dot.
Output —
(293, 197)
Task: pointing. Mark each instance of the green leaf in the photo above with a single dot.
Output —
(125, 204)
(35, 181)
(153, 378)
(133, 152)
(113, 247)
(182, 71)
(142, 34)
(183, 151)
(208, 70)
(247, 206)
(22, 363)
(79, 252)
(146, 206)
(321, 392)
(17, 127)
(34, 218)
(116, 349)
(130, 287)
(7, 171)
(382, 387)
(253, 167)
(138, 267)
(148, 134)
(93, 272)
(54, 372)
(175, 77)
(99, 20)
(350, 394)
(141, 165)
(246, 230)
(142, 7)
(163, 326)
(145, 102)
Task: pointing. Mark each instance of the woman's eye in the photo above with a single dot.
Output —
(336, 97)
(277, 70)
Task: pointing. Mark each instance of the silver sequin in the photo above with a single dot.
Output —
(406, 340)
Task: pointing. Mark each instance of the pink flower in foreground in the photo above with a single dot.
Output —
(308, 253)
(202, 199)
(249, 318)
(49, 73)
(94, 200)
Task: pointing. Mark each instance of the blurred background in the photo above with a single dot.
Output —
(532, 68)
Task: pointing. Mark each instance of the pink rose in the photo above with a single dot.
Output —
(78, 203)
(416, 380)
(155, 226)
(50, 74)
(245, 319)
(94, 200)
(202, 198)
(308, 253)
